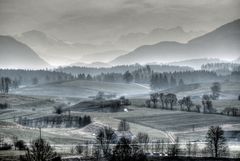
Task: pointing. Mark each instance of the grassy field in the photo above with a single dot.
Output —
(229, 90)
(82, 89)
(182, 121)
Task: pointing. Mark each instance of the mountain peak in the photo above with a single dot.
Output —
(35, 33)
(14, 54)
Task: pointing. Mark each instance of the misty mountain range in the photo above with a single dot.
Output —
(220, 43)
(63, 52)
(58, 51)
(134, 40)
(14, 54)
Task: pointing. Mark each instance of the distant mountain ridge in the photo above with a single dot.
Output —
(156, 35)
(63, 52)
(221, 43)
(58, 51)
(14, 54)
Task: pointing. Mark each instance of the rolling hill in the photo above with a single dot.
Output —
(14, 54)
(222, 43)
(82, 89)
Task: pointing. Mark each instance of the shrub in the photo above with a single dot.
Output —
(4, 106)
(58, 109)
(20, 144)
(79, 149)
(6, 146)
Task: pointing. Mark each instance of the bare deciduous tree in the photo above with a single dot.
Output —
(104, 138)
(172, 99)
(143, 138)
(216, 142)
(154, 99)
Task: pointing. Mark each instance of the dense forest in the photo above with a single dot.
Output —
(31, 77)
(158, 80)
(221, 68)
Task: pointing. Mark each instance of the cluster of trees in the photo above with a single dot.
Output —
(231, 111)
(221, 68)
(207, 104)
(170, 80)
(142, 75)
(5, 83)
(127, 149)
(124, 150)
(56, 121)
(75, 70)
(4, 106)
(156, 80)
(169, 100)
(28, 77)
(165, 100)
(196, 76)
(161, 81)
(186, 104)
(84, 77)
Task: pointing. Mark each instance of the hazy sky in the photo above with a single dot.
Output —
(105, 20)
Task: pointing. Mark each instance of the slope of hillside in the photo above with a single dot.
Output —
(82, 89)
(14, 54)
(222, 43)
